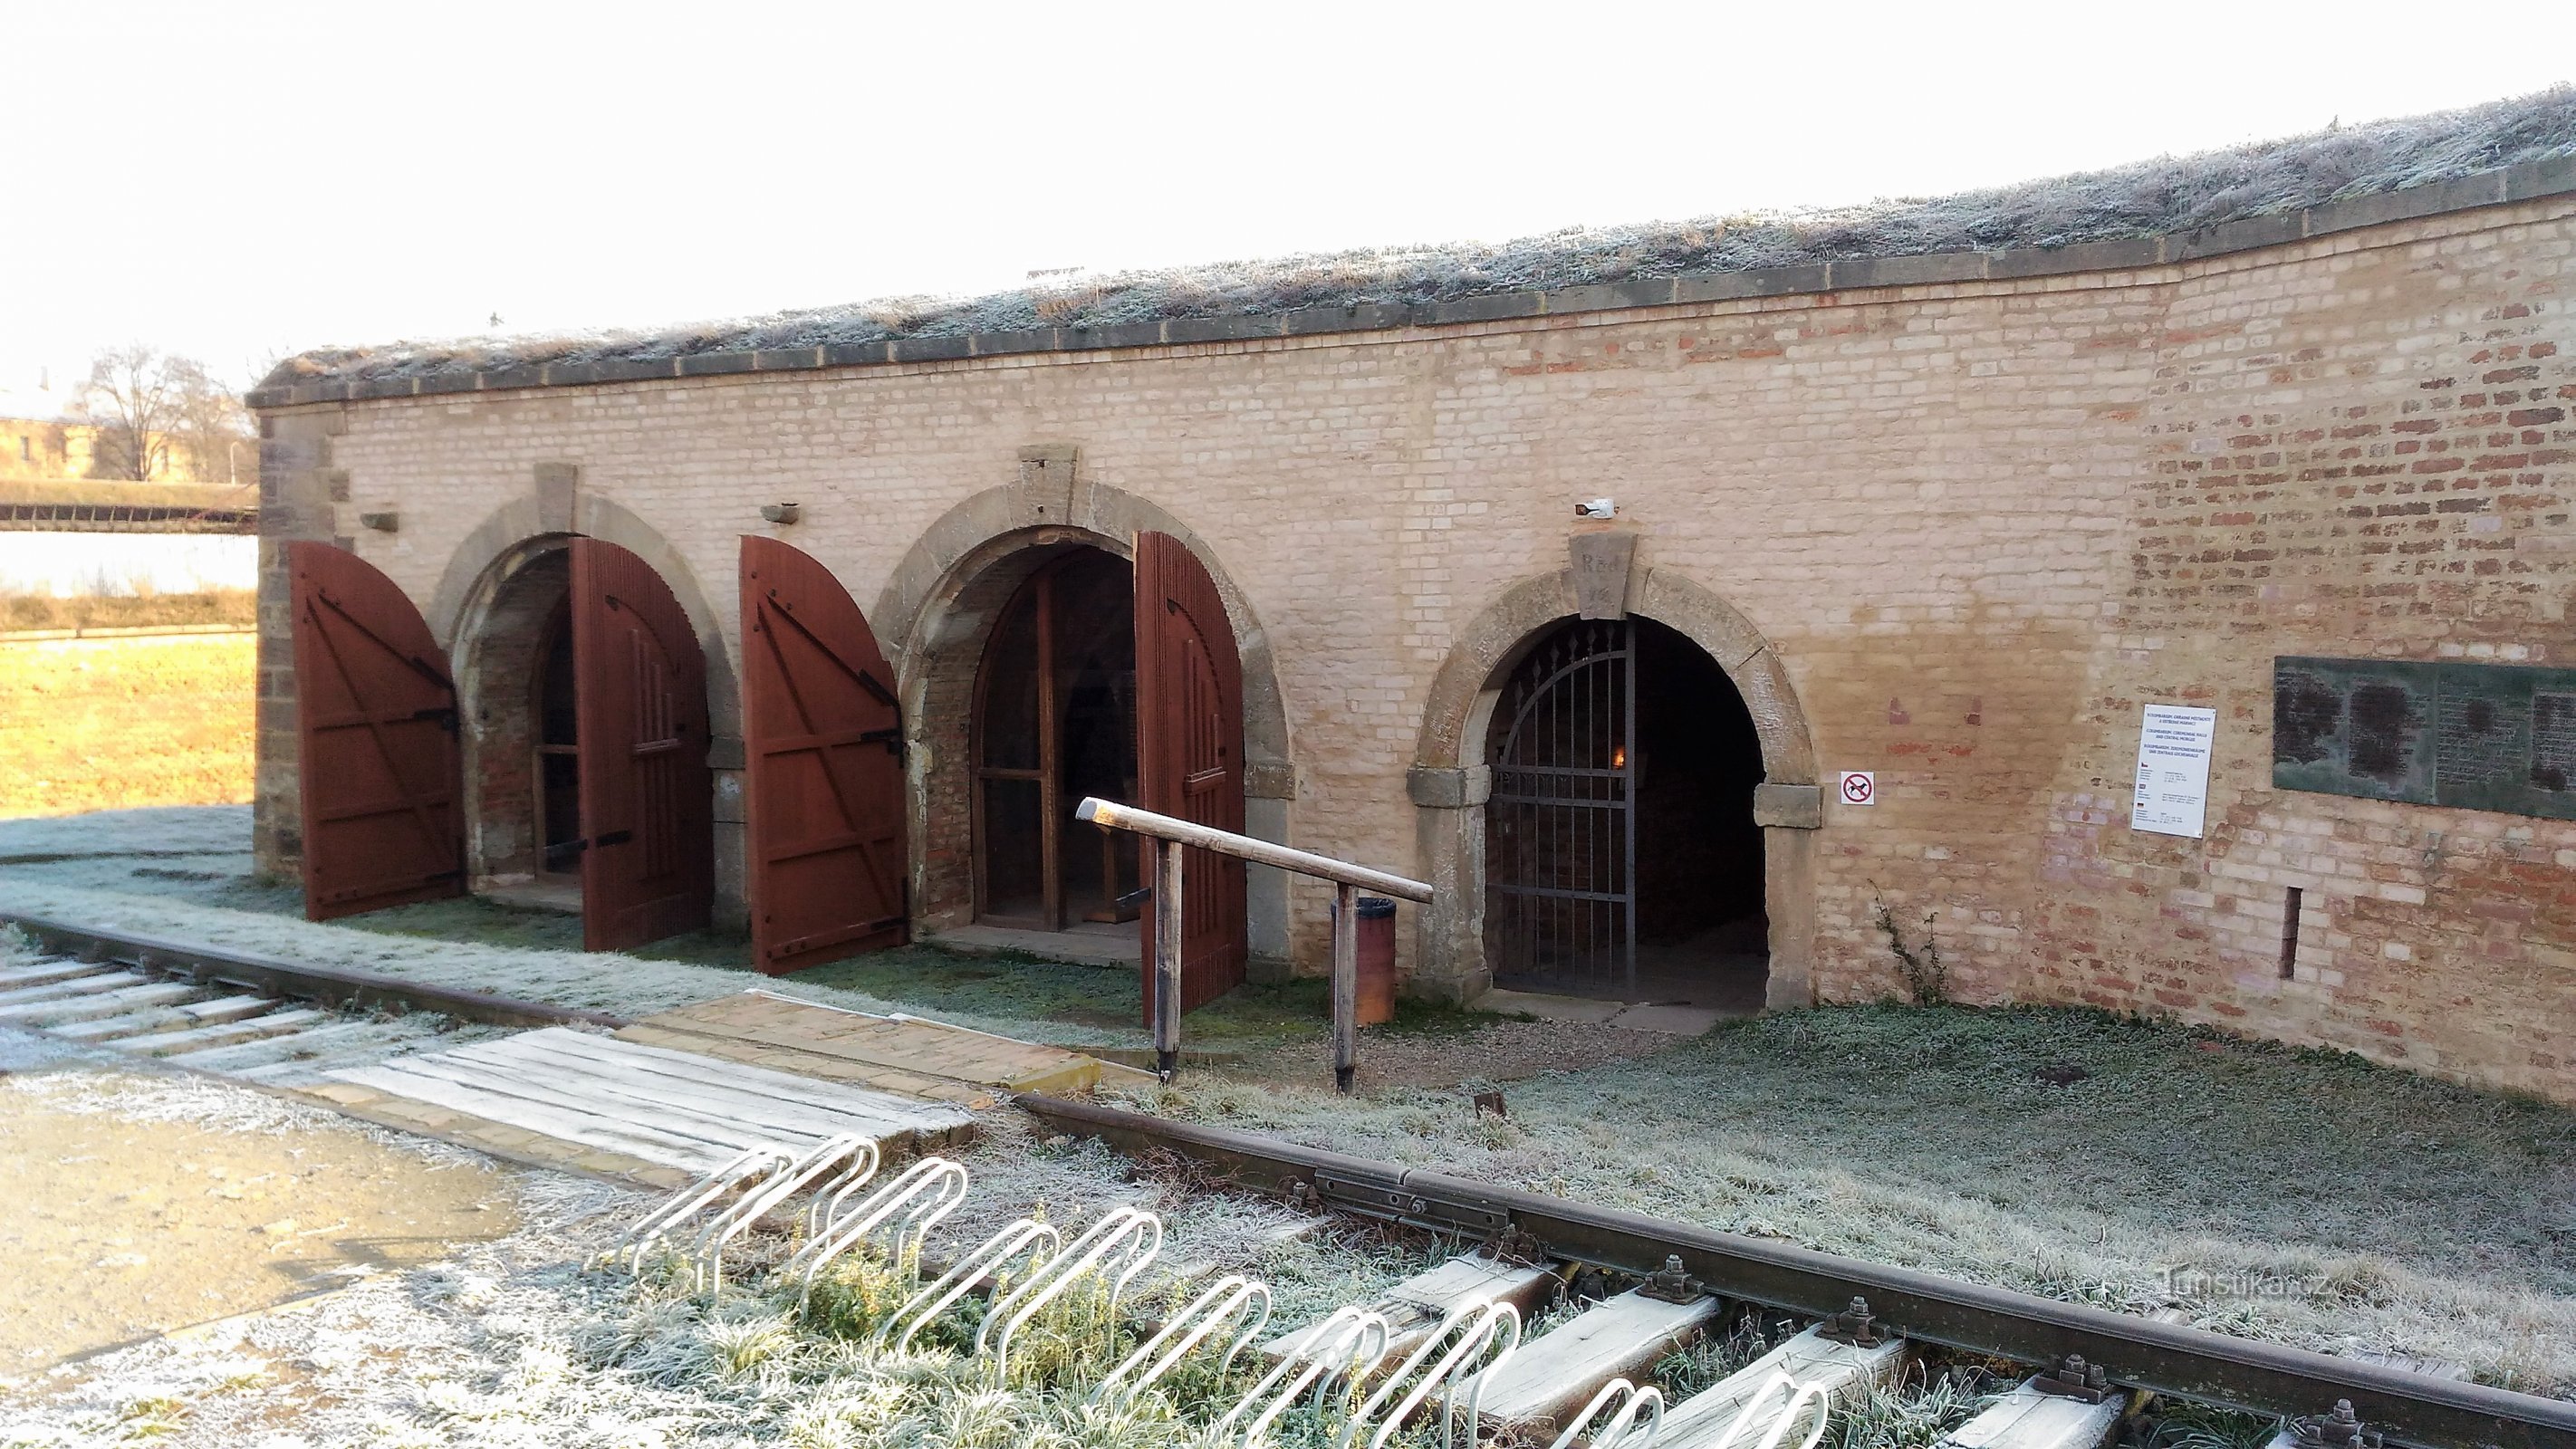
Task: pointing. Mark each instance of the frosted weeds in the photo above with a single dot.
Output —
(509, 1344)
(1631, 1137)
(2166, 195)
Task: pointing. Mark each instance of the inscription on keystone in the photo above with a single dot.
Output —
(1601, 564)
(2496, 737)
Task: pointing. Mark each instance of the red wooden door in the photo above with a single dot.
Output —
(1189, 755)
(823, 762)
(375, 725)
(647, 796)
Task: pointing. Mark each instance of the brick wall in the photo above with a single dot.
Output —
(1981, 523)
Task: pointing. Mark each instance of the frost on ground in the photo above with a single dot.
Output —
(514, 1343)
(2309, 1198)
(193, 883)
(2149, 198)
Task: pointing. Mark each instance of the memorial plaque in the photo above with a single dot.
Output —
(2476, 736)
(2354, 727)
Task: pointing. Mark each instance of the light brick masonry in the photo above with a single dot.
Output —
(1978, 525)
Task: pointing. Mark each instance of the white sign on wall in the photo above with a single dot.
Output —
(2173, 770)
(1860, 787)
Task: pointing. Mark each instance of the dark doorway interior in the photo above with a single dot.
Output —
(558, 762)
(1702, 933)
(521, 764)
(1621, 855)
(1055, 720)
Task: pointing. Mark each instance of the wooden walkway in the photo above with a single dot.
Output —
(570, 1099)
(891, 1053)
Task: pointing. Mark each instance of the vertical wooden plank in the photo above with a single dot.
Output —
(1168, 942)
(1346, 985)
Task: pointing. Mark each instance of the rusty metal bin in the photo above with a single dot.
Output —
(1377, 959)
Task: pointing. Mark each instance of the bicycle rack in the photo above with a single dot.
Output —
(686, 1203)
(1028, 1235)
(923, 1193)
(1798, 1394)
(1131, 1231)
(1226, 1300)
(1622, 1429)
(1345, 1348)
(825, 1205)
(706, 1255)
(1458, 1372)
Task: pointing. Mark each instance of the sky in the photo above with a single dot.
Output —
(241, 181)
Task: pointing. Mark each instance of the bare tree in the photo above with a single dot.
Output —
(158, 414)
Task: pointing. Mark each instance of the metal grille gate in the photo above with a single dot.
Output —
(1561, 825)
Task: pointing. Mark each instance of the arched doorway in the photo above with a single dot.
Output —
(585, 723)
(1622, 857)
(522, 759)
(1054, 721)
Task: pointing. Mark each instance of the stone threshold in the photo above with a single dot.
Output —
(1586, 1011)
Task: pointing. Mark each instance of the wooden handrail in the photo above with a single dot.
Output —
(1348, 881)
(1097, 811)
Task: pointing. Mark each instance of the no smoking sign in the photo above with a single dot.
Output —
(1860, 787)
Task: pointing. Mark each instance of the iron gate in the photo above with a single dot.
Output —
(1561, 825)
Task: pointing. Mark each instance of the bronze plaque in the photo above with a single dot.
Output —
(2477, 736)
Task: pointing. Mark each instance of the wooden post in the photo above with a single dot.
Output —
(1167, 957)
(1346, 985)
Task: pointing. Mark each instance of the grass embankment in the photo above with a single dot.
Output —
(1006, 986)
(99, 724)
(2269, 1192)
(239, 607)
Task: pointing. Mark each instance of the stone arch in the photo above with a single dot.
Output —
(512, 539)
(501, 543)
(936, 612)
(1449, 781)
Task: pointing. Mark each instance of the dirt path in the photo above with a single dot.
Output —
(119, 1229)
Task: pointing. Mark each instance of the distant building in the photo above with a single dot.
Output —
(43, 435)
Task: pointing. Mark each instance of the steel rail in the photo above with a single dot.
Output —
(1115, 816)
(2267, 1378)
(330, 985)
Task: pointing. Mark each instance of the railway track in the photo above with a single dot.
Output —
(2405, 1407)
(280, 1023)
(237, 1014)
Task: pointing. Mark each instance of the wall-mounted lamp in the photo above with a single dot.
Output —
(780, 512)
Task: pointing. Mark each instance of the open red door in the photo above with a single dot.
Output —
(375, 726)
(823, 760)
(1189, 755)
(647, 796)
